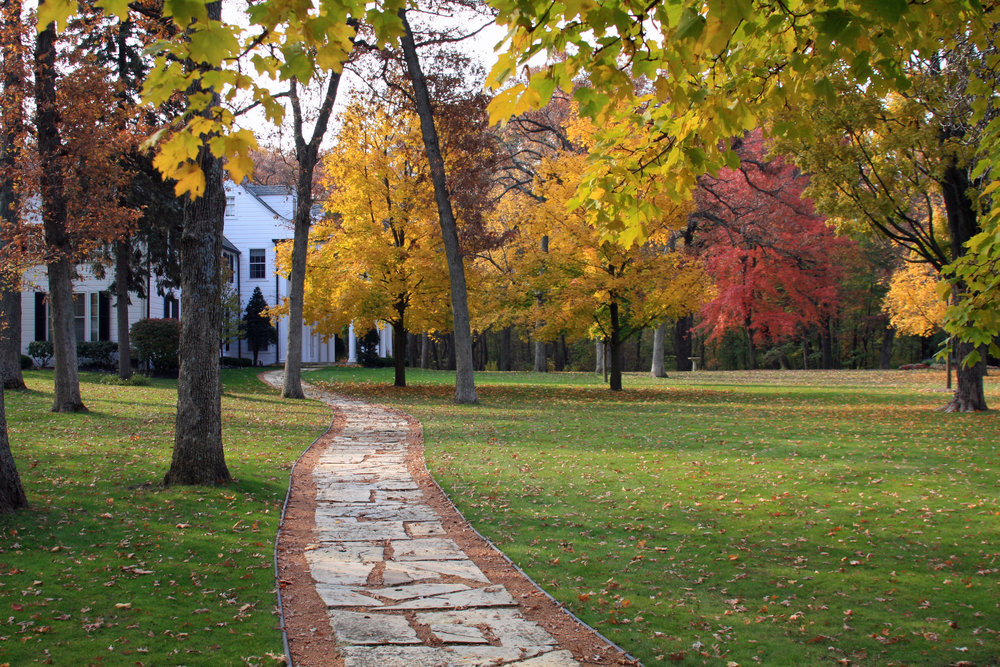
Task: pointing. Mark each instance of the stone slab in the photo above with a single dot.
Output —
(451, 633)
(417, 591)
(339, 573)
(405, 573)
(426, 656)
(344, 596)
(491, 596)
(351, 627)
(362, 531)
(418, 529)
(346, 552)
(345, 493)
(433, 548)
(550, 659)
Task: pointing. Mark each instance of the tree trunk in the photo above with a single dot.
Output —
(54, 218)
(682, 342)
(450, 342)
(826, 346)
(805, 353)
(12, 496)
(12, 121)
(751, 350)
(10, 332)
(616, 349)
(885, 354)
(541, 362)
(465, 387)
(783, 360)
(425, 351)
(399, 349)
(559, 353)
(198, 457)
(962, 226)
(503, 363)
(306, 157)
(600, 357)
(122, 249)
(658, 369)
(412, 349)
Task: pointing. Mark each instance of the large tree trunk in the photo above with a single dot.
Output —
(541, 358)
(399, 343)
(12, 496)
(751, 350)
(962, 226)
(10, 332)
(412, 349)
(306, 157)
(682, 342)
(122, 249)
(599, 369)
(658, 369)
(616, 349)
(559, 353)
(885, 353)
(465, 386)
(198, 457)
(425, 351)
(503, 363)
(54, 219)
(12, 121)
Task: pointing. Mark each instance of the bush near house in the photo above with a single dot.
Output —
(41, 351)
(157, 341)
(26, 362)
(99, 353)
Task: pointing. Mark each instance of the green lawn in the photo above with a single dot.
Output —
(108, 568)
(767, 518)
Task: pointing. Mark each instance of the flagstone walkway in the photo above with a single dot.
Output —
(398, 592)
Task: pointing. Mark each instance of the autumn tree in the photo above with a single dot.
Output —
(914, 302)
(772, 258)
(598, 286)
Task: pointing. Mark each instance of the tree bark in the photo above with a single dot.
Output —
(541, 359)
(54, 219)
(503, 363)
(885, 353)
(962, 226)
(682, 343)
(399, 343)
(425, 351)
(600, 357)
(751, 350)
(198, 456)
(559, 353)
(12, 496)
(10, 333)
(826, 346)
(306, 157)
(12, 122)
(616, 348)
(465, 386)
(658, 369)
(122, 268)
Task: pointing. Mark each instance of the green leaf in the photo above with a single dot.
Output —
(213, 43)
(185, 11)
(832, 25)
(54, 11)
(691, 25)
(889, 11)
(117, 8)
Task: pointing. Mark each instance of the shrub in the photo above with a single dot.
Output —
(368, 350)
(237, 362)
(41, 351)
(134, 381)
(99, 352)
(157, 341)
(26, 362)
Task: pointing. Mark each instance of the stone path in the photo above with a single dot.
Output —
(398, 592)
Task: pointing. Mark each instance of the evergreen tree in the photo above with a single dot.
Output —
(259, 331)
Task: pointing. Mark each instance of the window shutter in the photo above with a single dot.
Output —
(40, 317)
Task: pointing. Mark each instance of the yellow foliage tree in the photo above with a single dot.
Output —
(595, 284)
(378, 256)
(914, 303)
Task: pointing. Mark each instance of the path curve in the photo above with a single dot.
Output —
(377, 561)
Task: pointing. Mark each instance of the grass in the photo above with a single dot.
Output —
(771, 518)
(107, 567)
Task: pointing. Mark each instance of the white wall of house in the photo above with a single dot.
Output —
(257, 219)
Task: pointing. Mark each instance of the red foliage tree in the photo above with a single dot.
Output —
(772, 257)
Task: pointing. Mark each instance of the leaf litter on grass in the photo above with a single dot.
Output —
(108, 568)
(754, 518)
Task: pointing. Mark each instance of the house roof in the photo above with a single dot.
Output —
(228, 246)
(267, 190)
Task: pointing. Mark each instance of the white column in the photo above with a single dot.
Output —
(352, 346)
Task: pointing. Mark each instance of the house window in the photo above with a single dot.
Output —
(95, 313)
(230, 206)
(41, 317)
(171, 308)
(257, 260)
(80, 316)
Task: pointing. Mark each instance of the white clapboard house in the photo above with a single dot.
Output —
(258, 218)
